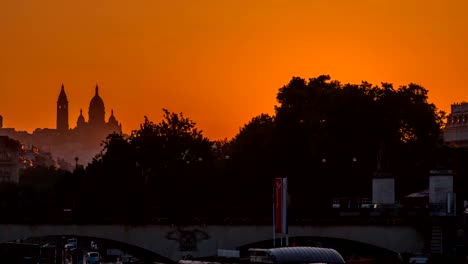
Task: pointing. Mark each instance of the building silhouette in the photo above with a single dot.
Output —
(456, 130)
(96, 118)
(62, 111)
(82, 143)
(15, 157)
(10, 161)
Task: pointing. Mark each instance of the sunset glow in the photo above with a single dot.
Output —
(219, 62)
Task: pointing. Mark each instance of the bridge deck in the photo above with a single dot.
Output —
(226, 216)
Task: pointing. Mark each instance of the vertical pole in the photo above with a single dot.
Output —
(455, 204)
(284, 207)
(274, 223)
(59, 250)
(449, 203)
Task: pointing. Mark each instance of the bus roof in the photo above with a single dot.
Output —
(303, 255)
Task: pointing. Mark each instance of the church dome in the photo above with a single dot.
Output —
(96, 109)
(112, 119)
(81, 121)
(96, 102)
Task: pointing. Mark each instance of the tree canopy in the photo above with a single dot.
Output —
(327, 137)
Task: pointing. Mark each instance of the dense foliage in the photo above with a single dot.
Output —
(328, 138)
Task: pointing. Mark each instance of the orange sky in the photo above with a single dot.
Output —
(220, 62)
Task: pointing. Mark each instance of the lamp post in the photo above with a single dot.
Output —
(76, 162)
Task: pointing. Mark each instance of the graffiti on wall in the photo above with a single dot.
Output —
(187, 239)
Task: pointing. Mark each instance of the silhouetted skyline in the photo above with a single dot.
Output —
(71, 139)
(219, 62)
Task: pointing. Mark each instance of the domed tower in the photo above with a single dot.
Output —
(81, 121)
(96, 110)
(113, 124)
(112, 120)
(62, 111)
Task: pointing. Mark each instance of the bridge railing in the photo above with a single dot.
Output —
(219, 215)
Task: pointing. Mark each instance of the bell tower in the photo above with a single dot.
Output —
(62, 111)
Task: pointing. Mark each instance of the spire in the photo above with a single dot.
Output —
(81, 111)
(112, 112)
(62, 98)
(97, 90)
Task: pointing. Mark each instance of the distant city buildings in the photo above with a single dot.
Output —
(456, 130)
(69, 146)
(32, 156)
(15, 156)
(10, 165)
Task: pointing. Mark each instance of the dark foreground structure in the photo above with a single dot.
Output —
(295, 255)
(20, 253)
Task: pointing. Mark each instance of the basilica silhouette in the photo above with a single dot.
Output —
(81, 143)
(96, 124)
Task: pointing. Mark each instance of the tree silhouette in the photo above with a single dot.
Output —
(173, 154)
(112, 178)
(325, 137)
